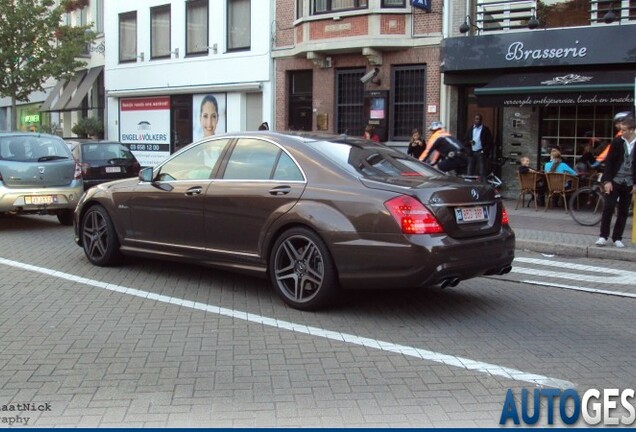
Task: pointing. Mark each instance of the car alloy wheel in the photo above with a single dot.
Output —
(302, 270)
(99, 239)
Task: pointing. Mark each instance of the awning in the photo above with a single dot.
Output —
(83, 88)
(53, 94)
(71, 86)
(559, 88)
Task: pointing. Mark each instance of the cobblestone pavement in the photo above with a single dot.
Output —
(192, 346)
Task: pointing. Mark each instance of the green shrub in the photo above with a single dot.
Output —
(88, 127)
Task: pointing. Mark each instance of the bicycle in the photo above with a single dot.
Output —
(492, 178)
(587, 203)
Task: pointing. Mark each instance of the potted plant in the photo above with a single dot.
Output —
(88, 127)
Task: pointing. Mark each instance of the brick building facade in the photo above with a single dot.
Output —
(355, 63)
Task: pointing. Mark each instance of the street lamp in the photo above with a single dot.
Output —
(467, 24)
(533, 23)
(610, 16)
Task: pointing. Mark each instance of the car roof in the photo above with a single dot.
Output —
(307, 137)
(32, 134)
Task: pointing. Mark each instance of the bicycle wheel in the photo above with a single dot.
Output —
(586, 206)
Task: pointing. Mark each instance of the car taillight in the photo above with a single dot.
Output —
(412, 216)
(504, 216)
(84, 167)
(78, 171)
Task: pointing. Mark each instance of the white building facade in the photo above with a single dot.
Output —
(179, 70)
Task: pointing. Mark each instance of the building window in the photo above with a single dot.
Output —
(300, 115)
(160, 32)
(350, 118)
(409, 99)
(497, 15)
(621, 11)
(326, 6)
(197, 27)
(99, 16)
(393, 3)
(128, 37)
(239, 25)
(570, 128)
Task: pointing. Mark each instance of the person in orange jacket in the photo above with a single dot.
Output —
(438, 131)
(618, 119)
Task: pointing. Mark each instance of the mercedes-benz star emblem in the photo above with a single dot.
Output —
(475, 194)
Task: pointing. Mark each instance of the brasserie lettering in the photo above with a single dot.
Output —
(517, 52)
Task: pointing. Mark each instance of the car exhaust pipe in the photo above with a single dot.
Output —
(454, 282)
(505, 270)
(445, 283)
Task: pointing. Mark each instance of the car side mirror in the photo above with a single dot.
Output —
(145, 174)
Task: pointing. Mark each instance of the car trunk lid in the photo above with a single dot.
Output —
(464, 208)
(48, 173)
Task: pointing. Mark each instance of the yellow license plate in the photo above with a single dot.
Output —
(40, 199)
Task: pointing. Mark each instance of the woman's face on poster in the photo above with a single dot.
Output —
(209, 119)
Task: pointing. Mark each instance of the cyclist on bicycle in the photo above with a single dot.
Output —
(445, 151)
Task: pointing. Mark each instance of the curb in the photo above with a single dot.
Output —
(626, 254)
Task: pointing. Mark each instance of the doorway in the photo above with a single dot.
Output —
(180, 121)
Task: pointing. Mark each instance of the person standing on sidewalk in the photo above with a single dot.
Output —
(619, 183)
(479, 142)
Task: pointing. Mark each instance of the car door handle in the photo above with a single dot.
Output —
(194, 191)
(280, 190)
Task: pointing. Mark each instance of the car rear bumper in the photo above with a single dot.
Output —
(421, 260)
(55, 198)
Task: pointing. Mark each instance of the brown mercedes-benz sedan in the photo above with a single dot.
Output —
(314, 213)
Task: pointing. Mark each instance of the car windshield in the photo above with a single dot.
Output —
(27, 148)
(373, 162)
(102, 153)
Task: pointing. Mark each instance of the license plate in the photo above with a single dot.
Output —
(113, 169)
(471, 214)
(40, 199)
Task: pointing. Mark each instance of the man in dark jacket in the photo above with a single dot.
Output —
(479, 144)
(619, 183)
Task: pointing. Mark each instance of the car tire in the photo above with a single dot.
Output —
(302, 271)
(65, 217)
(99, 238)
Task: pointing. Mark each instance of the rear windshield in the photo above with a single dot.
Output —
(33, 148)
(373, 162)
(102, 153)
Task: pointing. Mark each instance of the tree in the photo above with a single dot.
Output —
(35, 45)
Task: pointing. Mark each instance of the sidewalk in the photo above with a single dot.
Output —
(555, 232)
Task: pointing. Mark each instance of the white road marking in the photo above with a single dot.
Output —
(576, 288)
(604, 275)
(450, 360)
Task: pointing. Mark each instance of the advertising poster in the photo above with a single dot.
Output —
(145, 127)
(208, 115)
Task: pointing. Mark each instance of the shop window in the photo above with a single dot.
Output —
(239, 25)
(197, 12)
(569, 128)
(409, 98)
(350, 118)
(160, 32)
(128, 37)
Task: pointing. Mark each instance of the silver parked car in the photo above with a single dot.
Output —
(38, 175)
